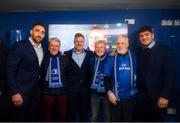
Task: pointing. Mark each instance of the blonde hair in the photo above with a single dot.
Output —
(101, 42)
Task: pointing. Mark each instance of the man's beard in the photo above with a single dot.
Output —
(37, 39)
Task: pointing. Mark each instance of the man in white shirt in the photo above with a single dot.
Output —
(23, 67)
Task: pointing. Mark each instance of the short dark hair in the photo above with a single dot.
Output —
(39, 24)
(145, 28)
(77, 35)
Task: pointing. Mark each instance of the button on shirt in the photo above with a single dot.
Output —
(38, 49)
(78, 57)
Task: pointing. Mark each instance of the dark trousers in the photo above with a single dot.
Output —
(178, 107)
(123, 110)
(4, 109)
(4, 102)
(148, 111)
(98, 100)
(54, 104)
(28, 112)
(78, 103)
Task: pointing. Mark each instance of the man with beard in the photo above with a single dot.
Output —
(23, 65)
(99, 97)
(120, 81)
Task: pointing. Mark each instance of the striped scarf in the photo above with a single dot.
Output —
(53, 75)
(98, 78)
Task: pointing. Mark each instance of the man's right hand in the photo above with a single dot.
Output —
(112, 98)
(17, 100)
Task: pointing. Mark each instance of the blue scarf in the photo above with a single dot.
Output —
(98, 78)
(53, 75)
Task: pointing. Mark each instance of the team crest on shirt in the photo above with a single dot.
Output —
(124, 67)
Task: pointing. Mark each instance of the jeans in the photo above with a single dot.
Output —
(98, 100)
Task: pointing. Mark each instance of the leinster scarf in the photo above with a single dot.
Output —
(98, 78)
(53, 75)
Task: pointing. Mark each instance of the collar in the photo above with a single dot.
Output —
(102, 57)
(121, 54)
(34, 45)
(150, 46)
(75, 51)
(57, 55)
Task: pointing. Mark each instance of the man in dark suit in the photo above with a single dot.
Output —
(23, 65)
(154, 78)
(3, 86)
(79, 83)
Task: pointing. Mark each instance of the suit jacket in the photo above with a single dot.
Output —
(2, 61)
(79, 77)
(22, 69)
(3, 88)
(159, 80)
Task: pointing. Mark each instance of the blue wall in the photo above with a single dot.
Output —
(164, 34)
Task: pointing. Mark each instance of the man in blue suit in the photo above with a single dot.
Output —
(155, 77)
(23, 66)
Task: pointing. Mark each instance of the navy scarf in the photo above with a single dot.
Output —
(53, 75)
(98, 78)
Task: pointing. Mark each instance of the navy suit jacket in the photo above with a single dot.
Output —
(22, 69)
(160, 75)
(3, 88)
(79, 77)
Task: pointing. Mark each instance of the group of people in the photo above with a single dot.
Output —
(89, 85)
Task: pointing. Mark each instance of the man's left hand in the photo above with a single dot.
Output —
(162, 102)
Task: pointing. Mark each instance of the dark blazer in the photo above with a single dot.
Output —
(79, 78)
(159, 79)
(2, 68)
(22, 69)
(4, 101)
